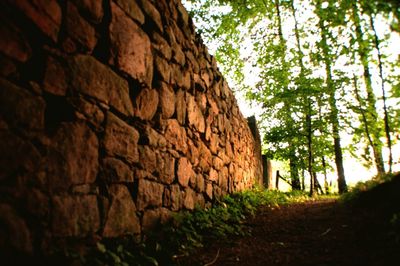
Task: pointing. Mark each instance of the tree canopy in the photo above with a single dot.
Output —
(320, 70)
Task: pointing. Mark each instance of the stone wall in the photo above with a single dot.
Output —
(112, 116)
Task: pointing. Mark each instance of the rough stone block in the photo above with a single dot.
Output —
(132, 9)
(146, 104)
(93, 8)
(184, 171)
(190, 198)
(147, 159)
(121, 139)
(130, 47)
(121, 217)
(176, 135)
(166, 167)
(13, 43)
(73, 156)
(152, 14)
(21, 108)
(180, 105)
(149, 194)
(54, 80)
(75, 216)
(195, 116)
(94, 79)
(167, 99)
(176, 198)
(45, 14)
(115, 171)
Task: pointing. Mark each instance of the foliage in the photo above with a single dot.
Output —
(314, 65)
(189, 230)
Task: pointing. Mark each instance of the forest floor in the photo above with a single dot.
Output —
(322, 232)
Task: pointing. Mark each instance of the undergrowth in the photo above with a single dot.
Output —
(190, 230)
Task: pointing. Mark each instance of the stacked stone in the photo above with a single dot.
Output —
(112, 116)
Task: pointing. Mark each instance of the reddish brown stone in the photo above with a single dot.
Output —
(218, 163)
(154, 139)
(54, 80)
(13, 43)
(209, 191)
(15, 232)
(190, 197)
(166, 167)
(46, 14)
(213, 176)
(146, 104)
(163, 69)
(120, 139)
(205, 157)
(176, 198)
(21, 108)
(88, 111)
(149, 194)
(131, 47)
(17, 155)
(93, 8)
(94, 79)
(116, 171)
(147, 159)
(184, 171)
(176, 135)
(152, 13)
(75, 216)
(177, 54)
(180, 105)
(195, 116)
(132, 9)
(161, 45)
(121, 217)
(199, 183)
(73, 156)
(167, 99)
(79, 29)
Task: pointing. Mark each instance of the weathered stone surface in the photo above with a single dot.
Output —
(88, 111)
(176, 135)
(73, 156)
(92, 8)
(94, 79)
(152, 14)
(13, 42)
(75, 215)
(154, 139)
(121, 218)
(199, 183)
(190, 198)
(205, 157)
(16, 156)
(132, 9)
(177, 54)
(149, 194)
(146, 104)
(116, 171)
(184, 172)
(195, 116)
(79, 29)
(213, 176)
(148, 159)
(45, 14)
(176, 198)
(17, 236)
(209, 191)
(166, 168)
(19, 107)
(180, 104)
(131, 48)
(167, 99)
(161, 45)
(54, 80)
(120, 139)
(163, 69)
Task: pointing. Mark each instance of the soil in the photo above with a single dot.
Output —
(322, 232)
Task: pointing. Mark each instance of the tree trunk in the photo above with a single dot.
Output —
(334, 116)
(385, 110)
(371, 114)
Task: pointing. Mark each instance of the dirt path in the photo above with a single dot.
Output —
(311, 233)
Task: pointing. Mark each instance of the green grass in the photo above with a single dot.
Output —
(190, 230)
